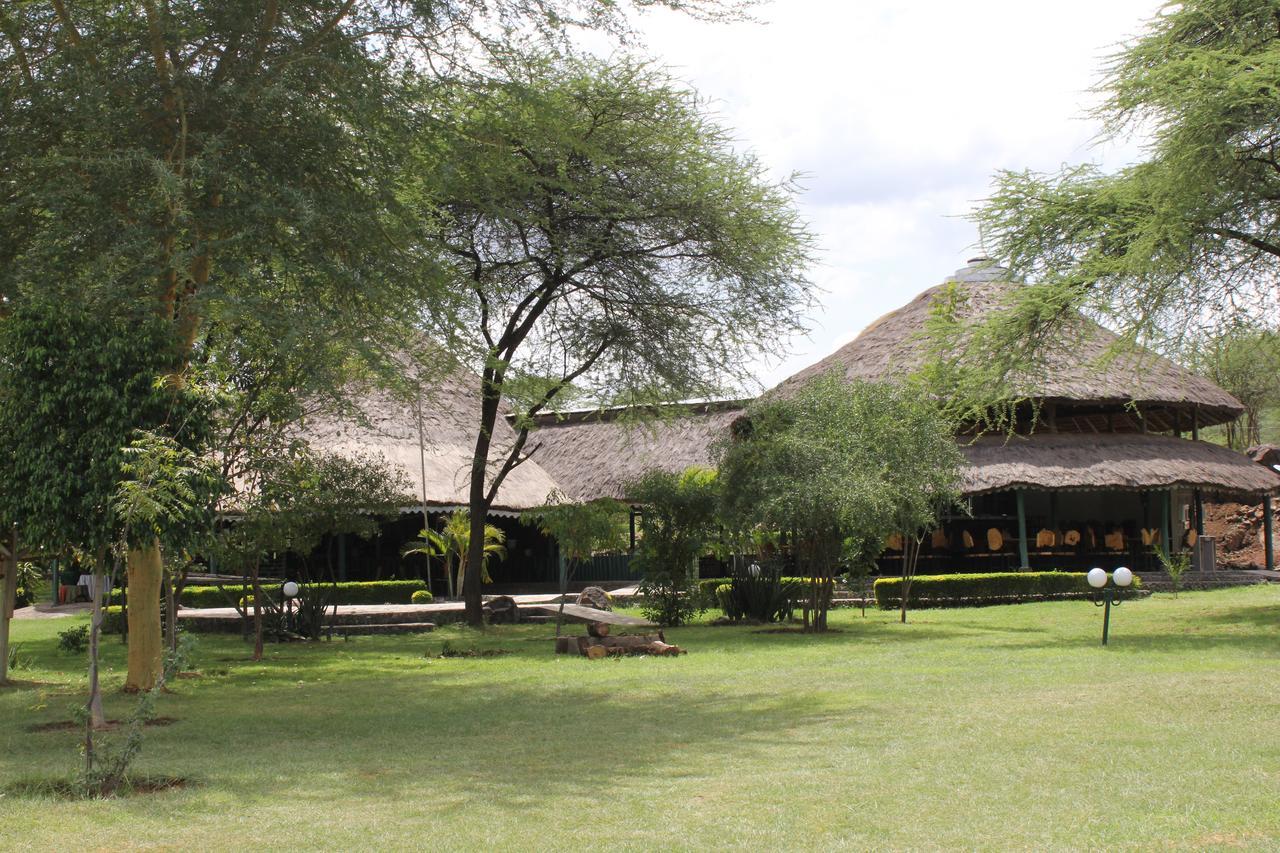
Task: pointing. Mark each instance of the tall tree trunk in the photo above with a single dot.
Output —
(477, 500)
(910, 559)
(8, 596)
(146, 649)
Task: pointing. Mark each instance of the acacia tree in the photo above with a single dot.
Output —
(195, 160)
(581, 530)
(1185, 239)
(1245, 360)
(838, 462)
(609, 242)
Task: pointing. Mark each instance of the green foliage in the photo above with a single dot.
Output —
(303, 496)
(1175, 566)
(966, 590)
(453, 543)
(663, 256)
(1244, 360)
(75, 386)
(582, 529)
(421, 596)
(766, 597)
(166, 492)
(677, 524)
(74, 640)
(840, 461)
(17, 660)
(1187, 238)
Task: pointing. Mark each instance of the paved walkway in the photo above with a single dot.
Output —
(51, 611)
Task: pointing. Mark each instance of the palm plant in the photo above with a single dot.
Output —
(453, 542)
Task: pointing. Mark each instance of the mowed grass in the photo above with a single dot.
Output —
(995, 728)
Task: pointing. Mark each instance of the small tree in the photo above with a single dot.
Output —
(453, 543)
(301, 498)
(835, 462)
(581, 530)
(678, 523)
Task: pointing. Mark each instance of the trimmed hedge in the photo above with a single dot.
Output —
(962, 590)
(352, 592)
(421, 596)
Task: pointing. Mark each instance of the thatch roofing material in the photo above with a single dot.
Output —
(451, 417)
(1075, 370)
(1111, 461)
(597, 457)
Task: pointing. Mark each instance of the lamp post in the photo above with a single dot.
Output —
(290, 590)
(1106, 596)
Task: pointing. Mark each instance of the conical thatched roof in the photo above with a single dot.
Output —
(387, 427)
(1125, 461)
(1075, 371)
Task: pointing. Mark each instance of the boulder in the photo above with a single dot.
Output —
(594, 596)
(502, 609)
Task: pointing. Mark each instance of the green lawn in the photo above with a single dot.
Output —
(1004, 727)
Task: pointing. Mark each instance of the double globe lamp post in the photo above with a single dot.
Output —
(1107, 596)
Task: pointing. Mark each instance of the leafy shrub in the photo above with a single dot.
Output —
(961, 590)
(74, 640)
(421, 596)
(766, 597)
(113, 620)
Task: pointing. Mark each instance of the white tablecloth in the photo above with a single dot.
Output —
(88, 582)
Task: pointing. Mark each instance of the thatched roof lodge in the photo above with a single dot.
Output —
(1105, 467)
(1111, 464)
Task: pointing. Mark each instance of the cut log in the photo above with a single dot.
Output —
(596, 652)
(995, 541)
(1114, 540)
(1046, 538)
(939, 539)
(1191, 538)
(1071, 538)
(566, 645)
(967, 538)
(598, 629)
(894, 542)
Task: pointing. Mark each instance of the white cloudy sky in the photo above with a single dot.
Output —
(899, 113)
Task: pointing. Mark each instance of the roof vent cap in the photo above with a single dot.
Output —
(981, 268)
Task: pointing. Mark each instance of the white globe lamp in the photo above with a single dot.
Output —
(1097, 578)
(1122, 576)
(290, 589)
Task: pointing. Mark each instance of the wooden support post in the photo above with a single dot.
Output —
(633, 530)
(1198, 499)
(1166, 519)
(1195, 423)
(54, 581)
(1022, 531)
(1268, 538)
